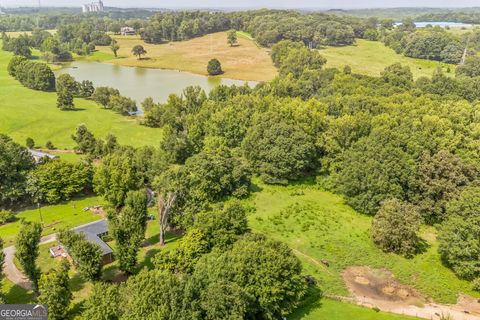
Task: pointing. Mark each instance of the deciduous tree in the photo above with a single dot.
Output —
(55, 291)
(395, 227)
(26, 245)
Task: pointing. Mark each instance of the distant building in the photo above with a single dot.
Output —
(127, 31)
(93, 7)
(39, 155)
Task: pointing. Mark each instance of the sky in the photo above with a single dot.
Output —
(323, 4)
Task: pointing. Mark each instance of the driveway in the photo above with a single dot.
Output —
(11, 271)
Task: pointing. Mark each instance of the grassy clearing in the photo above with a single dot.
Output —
(16, 34)
(29, 113)
(67, 215)
(245, 61)
(371, 57)
(320, 226)
(334, 310)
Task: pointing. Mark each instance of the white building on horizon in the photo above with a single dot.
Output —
(93, 7)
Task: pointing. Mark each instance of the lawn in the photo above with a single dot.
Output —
(320, 226)
(29, 113)
(314, 309)
(66, 215)
(246, 61)
(371, 57)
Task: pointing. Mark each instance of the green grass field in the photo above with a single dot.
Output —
(322, 227)
(67, 215)
(29, 113)
(371, 57)
(328, 309)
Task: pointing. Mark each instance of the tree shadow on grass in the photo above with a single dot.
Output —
(77, 283)
(422, 246)
(74, 109)
(312, 301)
(18, 295)
(148, 259)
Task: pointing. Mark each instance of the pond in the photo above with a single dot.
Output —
(140, 83)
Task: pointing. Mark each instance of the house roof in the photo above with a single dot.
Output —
(40, 154)
(92, 231)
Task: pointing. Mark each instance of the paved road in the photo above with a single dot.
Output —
(10, 269)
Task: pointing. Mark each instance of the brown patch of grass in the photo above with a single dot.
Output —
(244, 62)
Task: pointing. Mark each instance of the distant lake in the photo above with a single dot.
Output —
(140, 83)
(443, 24)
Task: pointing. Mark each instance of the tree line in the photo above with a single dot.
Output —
(267, 26)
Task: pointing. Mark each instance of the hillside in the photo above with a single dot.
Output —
(245, 61)
(321, 227)
(371, 57)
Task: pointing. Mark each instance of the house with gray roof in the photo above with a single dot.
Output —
(39, 155)
(95, 232)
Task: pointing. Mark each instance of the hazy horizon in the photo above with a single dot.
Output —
(326, 4)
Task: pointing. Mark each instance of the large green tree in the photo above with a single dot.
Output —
(26, 245)
(439, 179)
(459, 234)
(67, 88)
(279, 150)
(102, 303)
(395, 227)
(15, 163)
(86, 256)
(214, 67)
(139, 51)
(232, 37)
(57, 180)
(267, 271)
(55, 291)
(115, 177)
(128, 229)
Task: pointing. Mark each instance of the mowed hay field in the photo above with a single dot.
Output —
(371, 57)
(245, 61)
(318, 225)
(29, 113)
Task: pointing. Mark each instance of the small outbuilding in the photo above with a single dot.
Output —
(58, 251)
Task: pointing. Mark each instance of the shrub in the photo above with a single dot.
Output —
(476, 284)
(30, 143)
(214, 67)
(14, 64)
(6, 216)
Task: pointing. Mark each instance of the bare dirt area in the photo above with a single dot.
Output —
(378, 288)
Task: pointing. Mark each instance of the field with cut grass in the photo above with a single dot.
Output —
(29, 113)
(66, 215)
(315, 309)
(371, 57)
(245, 61)
(318, 225)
